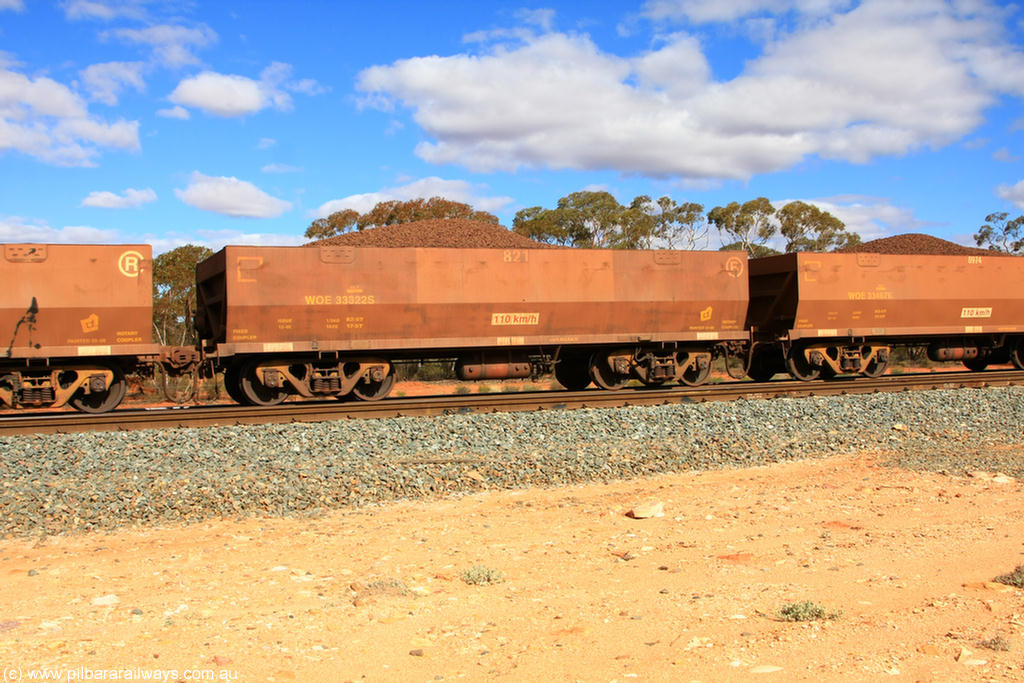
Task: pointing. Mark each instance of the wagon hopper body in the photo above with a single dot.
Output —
(833, 313)
(331, 320)
(74, 318)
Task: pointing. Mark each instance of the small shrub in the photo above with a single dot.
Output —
(509, 388)
(485, 389)
(385, 587)
(805, 611)
(462, 389)
(1014, 578)
(997, 643)
(482, 576)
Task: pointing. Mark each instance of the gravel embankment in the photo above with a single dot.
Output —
(62, 483)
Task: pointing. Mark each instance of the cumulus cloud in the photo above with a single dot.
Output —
(18, 229)
(109, 200)
(231, 197)
(880, 79)
(47, 120)
(107, 10)
(106, 81)
(1012, 193)
(218, 239)
(175, 112)
(454, 190)
(715, 11)
(220, 94)
(16, 5)
(281, 168)
(172, 45)
(869, 217)
(1005, 155)
(233, 95)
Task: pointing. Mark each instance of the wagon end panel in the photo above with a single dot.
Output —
(774, 294)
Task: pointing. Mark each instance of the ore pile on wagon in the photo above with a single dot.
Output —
(447, 234)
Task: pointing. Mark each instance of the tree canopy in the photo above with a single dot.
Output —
(595, 219)
(174, 297)
(395, 211)
(808, 228)
(746, 225)
(1002, 235)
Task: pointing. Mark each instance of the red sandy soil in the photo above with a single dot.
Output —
(904, 559)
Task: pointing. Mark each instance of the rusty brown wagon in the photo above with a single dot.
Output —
(73, 319)
(817, 315)
(333, 320)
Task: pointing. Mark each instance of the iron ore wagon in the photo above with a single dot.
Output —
(333, 320)
(817, 315)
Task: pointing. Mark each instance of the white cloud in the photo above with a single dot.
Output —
(110, 200)
(173, 46)
(18, 229)
(106, 10)
(869, 217)
(266, 143)
(454, 190)
(16, 5)
(106, 81)
(233, 95)
(231, 197)
(1005, 155)
(280, 168)
(1012, 193)
(175, 112)
(47, 120)
(220, 94)
(881, 79)
(709, 11)
(218, 239)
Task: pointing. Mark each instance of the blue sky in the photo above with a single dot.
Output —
(235, 122)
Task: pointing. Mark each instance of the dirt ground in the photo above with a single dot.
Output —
(579, 590)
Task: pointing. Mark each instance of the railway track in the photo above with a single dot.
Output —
(315, 411)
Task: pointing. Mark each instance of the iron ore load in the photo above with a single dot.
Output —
(333, 319)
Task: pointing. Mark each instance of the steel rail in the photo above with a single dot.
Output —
(317, 411)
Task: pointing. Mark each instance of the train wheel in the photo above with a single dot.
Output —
(232, 385)
(799, 368)
(374, 391)
(1017, 355)
(603, 375)
(976, 364)
(694, 375)
(102, 401)
(255, 392)
(764, 364)
(876, 368)
(573, 373)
